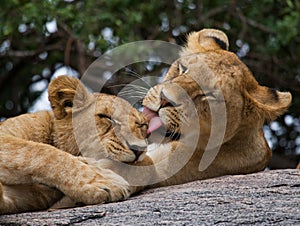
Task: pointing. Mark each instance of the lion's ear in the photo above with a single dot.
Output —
(64, 92)
(205, 40)
(268, 103)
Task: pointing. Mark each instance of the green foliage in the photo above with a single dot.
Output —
(269, 27)
(288, 26)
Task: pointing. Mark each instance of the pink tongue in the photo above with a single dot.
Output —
(155, 121)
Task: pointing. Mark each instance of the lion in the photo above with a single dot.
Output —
(205, 118)
(212, 110)
(41, 153)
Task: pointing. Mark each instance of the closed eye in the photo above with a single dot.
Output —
(104, 116)
(142, 125)
(108, 118)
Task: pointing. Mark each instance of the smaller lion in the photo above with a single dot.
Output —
(40, 153)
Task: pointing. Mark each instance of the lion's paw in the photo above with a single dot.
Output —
(109, 187)
(104, 192)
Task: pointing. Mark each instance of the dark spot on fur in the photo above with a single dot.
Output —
(220, 42)
(60, 95)
(274, 94)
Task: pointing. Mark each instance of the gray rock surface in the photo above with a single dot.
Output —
(266, 198)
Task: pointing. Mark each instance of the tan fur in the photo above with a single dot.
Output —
(30, 141)
(248, 106)
(203, 41)
(37, 162)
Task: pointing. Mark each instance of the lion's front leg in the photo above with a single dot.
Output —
(42, 163)
(116, 189)
(116, 186)
(26, 197)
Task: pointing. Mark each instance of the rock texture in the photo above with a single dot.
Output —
(266, 198)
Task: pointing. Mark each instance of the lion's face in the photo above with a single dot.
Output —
(104, 126)
(218, 85)
(121, 128)
(189, 84)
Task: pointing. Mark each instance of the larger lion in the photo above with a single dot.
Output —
(210, 95)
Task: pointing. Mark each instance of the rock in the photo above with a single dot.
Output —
(265, 198)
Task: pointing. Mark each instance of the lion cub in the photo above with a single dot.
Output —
(38, 162)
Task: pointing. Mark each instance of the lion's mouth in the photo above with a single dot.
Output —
(155, 123)
(154, 120)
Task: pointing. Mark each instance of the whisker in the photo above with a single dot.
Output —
(133, 73)
(137, 87)
(117, 85)
(137, 75)
(132, 92)
(131, 97)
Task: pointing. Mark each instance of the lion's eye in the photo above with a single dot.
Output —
(207, 96)
(142, 125)
(105, 116)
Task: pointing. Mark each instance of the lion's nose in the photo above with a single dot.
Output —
(165, 102)
(167, 98)
(137, 153)
(137, 150)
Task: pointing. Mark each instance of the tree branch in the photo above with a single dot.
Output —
(251, 22)
(31, 53)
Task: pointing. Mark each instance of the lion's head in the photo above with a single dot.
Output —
(95, 125)
(210, 76)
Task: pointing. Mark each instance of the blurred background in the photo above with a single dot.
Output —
(42, 39)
